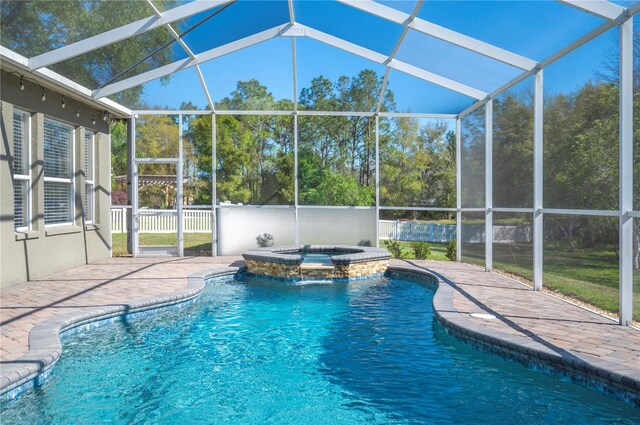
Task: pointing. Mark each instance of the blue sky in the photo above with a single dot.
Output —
(534, 29)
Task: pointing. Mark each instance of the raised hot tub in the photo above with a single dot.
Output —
(317, 261)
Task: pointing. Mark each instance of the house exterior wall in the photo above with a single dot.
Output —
(42, 250)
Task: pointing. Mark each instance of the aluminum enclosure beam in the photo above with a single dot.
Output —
(626, 172)
(291, 112)
(189, 62)
(405, 30)
(135, 225)
(288, 31)
(214, 187)
(296, 202)
(488, 186)
(179, 190)
(550, 59)
(294, 59)
(458, 190)
(377, 168)
(117, 34)
(189, 52)
(600, 8)
(538, 180)
(442, 33)
(395, 64)
(131, 149)
(396, 208)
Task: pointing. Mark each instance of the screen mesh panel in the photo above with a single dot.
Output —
(57, 202)
(57, 150)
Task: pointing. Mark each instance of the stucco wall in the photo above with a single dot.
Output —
(44, 250)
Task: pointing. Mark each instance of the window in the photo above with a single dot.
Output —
(89, 191)
(58, 173)
(21, 171)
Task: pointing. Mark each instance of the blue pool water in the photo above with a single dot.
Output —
(258, 351)
(312, 257)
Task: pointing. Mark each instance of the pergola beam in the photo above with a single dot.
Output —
(600, 8)
(443, 34)
(117, 34)
(189, 62)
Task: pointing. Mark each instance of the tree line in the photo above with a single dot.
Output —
(336, 154)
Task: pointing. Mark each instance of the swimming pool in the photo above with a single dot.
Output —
(266, 351)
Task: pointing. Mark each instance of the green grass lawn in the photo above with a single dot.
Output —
(589, 275)
(194, 243)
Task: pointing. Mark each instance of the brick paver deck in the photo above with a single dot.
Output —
(109, 282)
(534, 326)
(538, 316)
(534, 317)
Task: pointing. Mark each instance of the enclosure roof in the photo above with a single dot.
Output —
(471, 50)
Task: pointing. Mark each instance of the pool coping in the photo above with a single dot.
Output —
(45, 346)
(285, 254)
(596, 373)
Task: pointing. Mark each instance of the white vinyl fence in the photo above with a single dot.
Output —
(163, 221)
(199, 221)
(436, 232)
(417, 231)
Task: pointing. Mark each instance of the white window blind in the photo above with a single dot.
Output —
(58, 155)
(20, 142)
(21, 169)
(58, 173)
(58, 200)
(20, 208)
(89, 160)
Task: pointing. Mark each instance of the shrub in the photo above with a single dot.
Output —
(364, 242)
(421, 250)
(452, 251)
(394, 248)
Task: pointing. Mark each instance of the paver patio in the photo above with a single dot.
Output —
(109, 282)
(535, 316)
(538, 316)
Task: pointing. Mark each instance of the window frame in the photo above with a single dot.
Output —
(91, 162)
(24, 177)
(70, 181)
